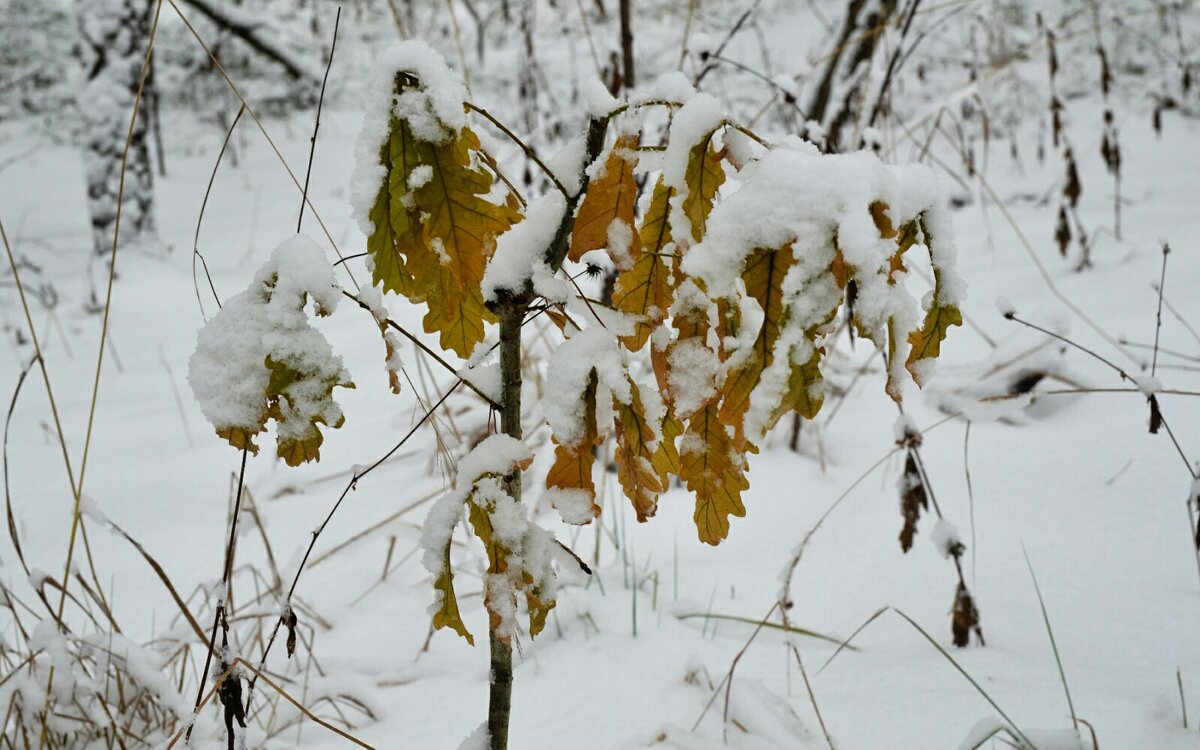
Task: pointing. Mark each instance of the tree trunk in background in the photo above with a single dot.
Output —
(526, 79)
(627, 42)
(113, 38)
(839, 96)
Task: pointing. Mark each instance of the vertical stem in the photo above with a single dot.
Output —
(500, 694)
(627, 43)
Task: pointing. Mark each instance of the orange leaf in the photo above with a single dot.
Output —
(610, 197)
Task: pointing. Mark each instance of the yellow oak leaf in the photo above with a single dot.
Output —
(703, 177)
(447, 615)
(713, 472)
(645, 290)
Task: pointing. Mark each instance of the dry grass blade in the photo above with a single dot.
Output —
(1020, 736)
(162, 576)
(12, 523)
(1053, 642)
(770, 625)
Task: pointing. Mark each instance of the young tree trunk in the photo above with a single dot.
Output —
(500, 688)
(512, 310)
(113, 39)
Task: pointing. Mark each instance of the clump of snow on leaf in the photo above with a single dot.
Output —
(260, 358)
(826, 210)
(434, 110)
(691, 126)
(569, 368)
(528, 550)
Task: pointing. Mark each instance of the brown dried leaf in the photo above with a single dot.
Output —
(912, 501)
(572, 468)
(635, 459)
(611, 196)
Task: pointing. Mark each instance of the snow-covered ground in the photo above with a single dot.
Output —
(631, 656)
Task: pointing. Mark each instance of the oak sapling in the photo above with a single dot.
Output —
(729, 296)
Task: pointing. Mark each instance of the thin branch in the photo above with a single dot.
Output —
(312, 148)
(420, 344)
(199, 219)
(522, 145)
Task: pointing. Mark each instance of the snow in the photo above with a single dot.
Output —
(692, 123)
(597, 99)
(497, 454)
(1147, 384)
(486, 378)
(574, 506)
(477, 740)
(828, 198)
(520, 256)
(567, 163)
(1040, 462)
(570, 366)
(945, 538)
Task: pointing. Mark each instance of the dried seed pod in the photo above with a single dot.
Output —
(964, 618)
(913, 499)
(289, 621)
(1072, 188)
(1155, 415)
(1062, 232)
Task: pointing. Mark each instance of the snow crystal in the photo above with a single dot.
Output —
(227, 371)
(521, 252)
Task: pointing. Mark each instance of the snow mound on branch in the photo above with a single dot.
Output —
(521, 253)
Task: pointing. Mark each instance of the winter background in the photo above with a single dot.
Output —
(1037, 451)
